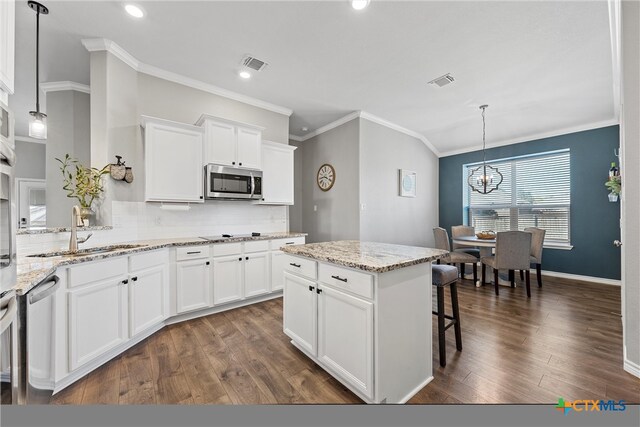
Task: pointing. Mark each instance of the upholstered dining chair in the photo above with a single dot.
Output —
(512, 253)
(460, 231)
(537, 241)
(442, 242)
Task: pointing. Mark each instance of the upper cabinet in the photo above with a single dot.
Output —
(277, 173)
(231, 143)
(173, 161)
(7, 45)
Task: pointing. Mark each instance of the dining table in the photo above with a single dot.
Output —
(486, 247)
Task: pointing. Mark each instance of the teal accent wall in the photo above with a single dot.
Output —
(594, 221)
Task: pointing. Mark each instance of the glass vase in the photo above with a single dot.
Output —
(87, 216)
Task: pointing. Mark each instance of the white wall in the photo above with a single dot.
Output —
(630, 133)
(30, 160)
(337, 216)
(386, 216)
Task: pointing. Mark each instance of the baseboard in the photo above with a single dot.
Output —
(591, 279)
(416, 390)
(629, 366)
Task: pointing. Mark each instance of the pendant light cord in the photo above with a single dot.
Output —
(484, 152)
(37, 60)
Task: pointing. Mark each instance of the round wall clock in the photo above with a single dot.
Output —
(326, 177)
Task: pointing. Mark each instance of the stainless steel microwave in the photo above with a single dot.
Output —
(6, 126)
(227, 183)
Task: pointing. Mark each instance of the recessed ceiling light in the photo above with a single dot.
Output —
(359, 4)
(304, 129)
(244, 74)
(134, 10)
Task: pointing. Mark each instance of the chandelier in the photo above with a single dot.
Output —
(485, 178)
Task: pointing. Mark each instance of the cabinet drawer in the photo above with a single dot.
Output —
(257, 246)
(192, 252)
(300, 266)
(148, 260)
(342, 278)
(225, 249)
(277, 244)
(97, 271)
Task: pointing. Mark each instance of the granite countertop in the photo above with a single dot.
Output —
(22, 231)
(33, 270)
(367, 256)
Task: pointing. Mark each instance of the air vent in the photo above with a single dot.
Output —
(253, 63)
(443, 80)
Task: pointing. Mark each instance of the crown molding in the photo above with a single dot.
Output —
(97, 45)
(20, 138)
(64, 85)
(536, 136)
(295, 137)
(327, 127)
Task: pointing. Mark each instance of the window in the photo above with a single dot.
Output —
(535, 192)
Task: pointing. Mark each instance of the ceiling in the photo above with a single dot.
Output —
(542, 67)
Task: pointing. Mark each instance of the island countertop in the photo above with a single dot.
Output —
(368, 256)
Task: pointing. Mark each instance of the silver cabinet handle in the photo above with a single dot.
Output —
(46, 288)
(617, 243)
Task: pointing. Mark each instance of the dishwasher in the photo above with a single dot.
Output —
(36, 342)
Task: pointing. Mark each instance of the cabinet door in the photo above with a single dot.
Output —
(345, 337)
(97, 319)
(300, 311)
(193, 285)
(220, 145)
(7, 45)
(173, 163)
(277, 270)
(256, 274)
(277, 174)
(249, 153)
(227, 279)
(148, 297)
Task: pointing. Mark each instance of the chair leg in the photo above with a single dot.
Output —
(441, 341)
(521, 275)
(475, 273)
(528, 278)
(462, 270)
(512, 278)
(539, 274)
(456, 315)
(495, 279)
(484, 271)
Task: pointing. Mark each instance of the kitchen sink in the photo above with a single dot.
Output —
(85, 252)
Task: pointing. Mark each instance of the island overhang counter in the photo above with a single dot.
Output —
(362, 311)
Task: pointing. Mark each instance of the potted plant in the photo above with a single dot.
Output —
(614, 185)
(82, 183)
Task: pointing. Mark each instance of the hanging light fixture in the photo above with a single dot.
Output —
(38, 120)
(483, 179)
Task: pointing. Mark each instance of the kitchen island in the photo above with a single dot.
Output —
(362, 311)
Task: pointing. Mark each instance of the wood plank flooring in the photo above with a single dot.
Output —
(564, 341)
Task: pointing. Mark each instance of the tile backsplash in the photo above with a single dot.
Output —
(142, 221)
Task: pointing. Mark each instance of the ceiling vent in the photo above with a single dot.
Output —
(443, 80)
(253, 63)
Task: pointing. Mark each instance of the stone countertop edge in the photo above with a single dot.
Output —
(24, 231)
(313, 253)
(36, 269)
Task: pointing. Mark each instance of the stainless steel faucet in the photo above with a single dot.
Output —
(75, 220)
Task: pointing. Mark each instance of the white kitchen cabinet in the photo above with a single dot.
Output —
(148, 298)
(277, 173)
(300, 312)
(173, 161)
(7, 45)
(193, 285)
(277, 269)
(227, 279)
(345, 337)
(231, 143)
(256, 274)
(97, 319)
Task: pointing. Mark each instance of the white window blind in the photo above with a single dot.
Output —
(535, 192)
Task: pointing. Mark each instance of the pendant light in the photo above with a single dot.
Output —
(38, 120)
(483, 179)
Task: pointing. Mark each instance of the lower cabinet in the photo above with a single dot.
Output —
(193, 285)
(300, 311)
(97, 319)
(256, 274)
(333, 326)
(148, 298)
(227, 279)
(277, 267)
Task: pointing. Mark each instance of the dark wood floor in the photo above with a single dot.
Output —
(566, 341)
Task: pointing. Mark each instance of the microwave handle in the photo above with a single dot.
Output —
(253, 184)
